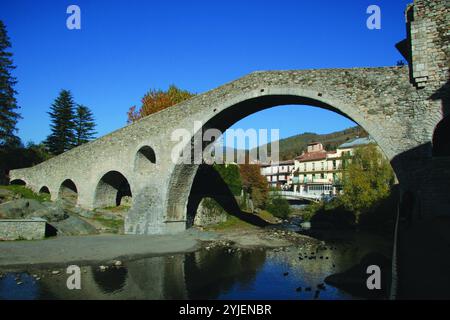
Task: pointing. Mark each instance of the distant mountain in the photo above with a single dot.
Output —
(294, 146)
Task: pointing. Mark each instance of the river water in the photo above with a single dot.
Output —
(218, 273)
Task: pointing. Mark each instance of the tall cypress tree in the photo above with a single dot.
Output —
(62, 115)
(8, 103)
(84, 125)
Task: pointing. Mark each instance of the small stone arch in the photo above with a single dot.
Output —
(44, 190)
(18, 182)
(145, 158)
(441, 141)
(68, 192)
(111, 189)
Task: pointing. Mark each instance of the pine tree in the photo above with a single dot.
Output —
(84, 125)
(62, 114)
(8, 103)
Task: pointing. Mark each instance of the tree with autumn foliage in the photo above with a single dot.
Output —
(254, 184)
(367, 179)
(157, 100)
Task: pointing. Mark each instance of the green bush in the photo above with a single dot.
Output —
(309, 211)
(231, 176)
(279, 207)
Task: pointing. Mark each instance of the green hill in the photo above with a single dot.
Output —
(293, 146)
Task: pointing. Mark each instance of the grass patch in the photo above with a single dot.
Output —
(113, 224)
(234, 223)
(231, 223)
(114, 208)
(27, 193)
(266, 215)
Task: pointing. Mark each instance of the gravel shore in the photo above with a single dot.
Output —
(90, 249)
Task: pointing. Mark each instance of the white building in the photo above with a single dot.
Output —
(319, 171)
(315, 171)
(278, 174)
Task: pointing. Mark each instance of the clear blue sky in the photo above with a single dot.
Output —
(126, 47)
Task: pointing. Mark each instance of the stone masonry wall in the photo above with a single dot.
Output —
(12, 229)
(430, 33)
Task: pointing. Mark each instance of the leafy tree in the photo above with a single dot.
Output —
(157, 100)
(8, 103)
(367, 179)
(279, 207)
(84, 125)
(62, 114)
(254, 184)
(231, 176)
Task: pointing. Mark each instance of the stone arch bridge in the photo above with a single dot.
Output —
(398, 106)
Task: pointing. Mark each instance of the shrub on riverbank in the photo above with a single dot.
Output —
(279, 207)
(379, 217)
(328, 215)
(367, 200)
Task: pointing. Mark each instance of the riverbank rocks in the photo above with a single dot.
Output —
(29, 208)
(73, 226)
(209, 213)
(52, 212)
(19, 208)
(83, 213)
(61, 218)
(6, 195)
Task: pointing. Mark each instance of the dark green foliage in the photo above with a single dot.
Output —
(8, 103)
(381, 216)
(231, 176)
(20, 157)
(84, 125)
(62, 115)
(332, 215)
(279, 207)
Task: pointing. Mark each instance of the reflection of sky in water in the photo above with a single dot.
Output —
(271, 283)
(10, 290)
